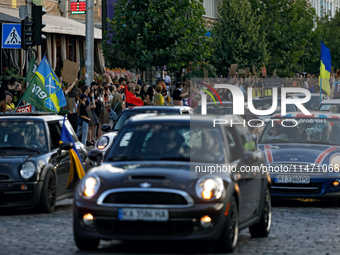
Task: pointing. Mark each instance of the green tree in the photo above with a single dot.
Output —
(237, 37)
(288, 26)
(147, 33)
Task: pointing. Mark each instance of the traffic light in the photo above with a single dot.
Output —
(26, 33)
(37, 13)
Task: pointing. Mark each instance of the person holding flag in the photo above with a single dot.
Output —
(131, 99)
(77, 171)
(325, 69)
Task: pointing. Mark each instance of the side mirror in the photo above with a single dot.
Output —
(249, 157)
(65, 146)
(106, 128)
(95, 155)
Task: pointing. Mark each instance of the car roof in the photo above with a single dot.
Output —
(331, 101)
(147, 118)
(315, 115)
(158, 107)
(32, 116)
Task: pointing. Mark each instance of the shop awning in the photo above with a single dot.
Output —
(54, 24)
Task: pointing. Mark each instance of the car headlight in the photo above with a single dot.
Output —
(209, 188)
(27, 170)
(90, 186)
(335, 162)
(102, 142)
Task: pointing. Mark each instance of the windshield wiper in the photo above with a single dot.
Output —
(19, 148)
(175, 158)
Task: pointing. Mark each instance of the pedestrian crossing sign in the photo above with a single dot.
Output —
(11, 36)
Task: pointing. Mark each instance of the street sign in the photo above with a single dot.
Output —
(11, 36)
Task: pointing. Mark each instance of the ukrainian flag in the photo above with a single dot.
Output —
(50, 80)
(76, 167)
(325, 69)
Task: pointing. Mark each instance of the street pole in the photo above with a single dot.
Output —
(89, 45)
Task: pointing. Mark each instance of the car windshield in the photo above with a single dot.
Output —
(217, 109)
(23, 135)
(302, 130)
(168, 141)
(312, 104)
(330, 108)
(130, 113)
(265, 104)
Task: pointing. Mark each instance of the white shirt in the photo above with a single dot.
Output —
(167, 80)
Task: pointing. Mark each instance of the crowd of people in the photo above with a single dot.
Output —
(94, 103)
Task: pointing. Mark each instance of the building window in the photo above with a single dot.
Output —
(331, 9)
(210, 7)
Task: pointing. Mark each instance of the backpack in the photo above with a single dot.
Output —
(113, 114)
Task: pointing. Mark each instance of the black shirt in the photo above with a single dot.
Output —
(176, 94)
(83, 112)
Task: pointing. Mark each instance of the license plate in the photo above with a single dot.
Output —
(292, 179)
(132, 214)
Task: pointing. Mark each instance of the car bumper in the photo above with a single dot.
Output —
(183, 223)
(319, 187)
(13, 195)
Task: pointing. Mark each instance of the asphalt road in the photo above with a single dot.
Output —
(299, 227)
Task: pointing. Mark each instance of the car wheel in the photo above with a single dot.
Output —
(48, 194)
(84, 243)
(262, 228)
(228, 240)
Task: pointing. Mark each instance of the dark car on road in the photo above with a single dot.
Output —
(34, 168)
(174, 178)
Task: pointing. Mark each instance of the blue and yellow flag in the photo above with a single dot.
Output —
(325, 69)
(50, 80)
(37, 95)
(77, 171)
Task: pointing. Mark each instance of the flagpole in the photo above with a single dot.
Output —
(320, 88)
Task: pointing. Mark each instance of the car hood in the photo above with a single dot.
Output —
(298, 153)
(10, 166)
(154, 175)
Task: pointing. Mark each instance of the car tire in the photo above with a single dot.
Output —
(262, 228)
(84, 243)
(228, 240)
(48, 194)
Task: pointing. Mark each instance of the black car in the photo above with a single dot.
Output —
(34, 169)
(174, 178)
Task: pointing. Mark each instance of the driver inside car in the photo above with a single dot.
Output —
(37, 137)
(275, 133)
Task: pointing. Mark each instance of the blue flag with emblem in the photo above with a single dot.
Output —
(77, 171)
(50, 80)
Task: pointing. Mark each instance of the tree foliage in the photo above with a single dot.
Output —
(155, 33)
(237, 37)
(287, 25)
(328, 30)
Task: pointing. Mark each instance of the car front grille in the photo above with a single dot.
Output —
(4, 177)
(298, 189)
(142, 228)
(150, 198)
(145, 197)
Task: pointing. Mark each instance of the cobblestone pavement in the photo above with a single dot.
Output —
(299, 227)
